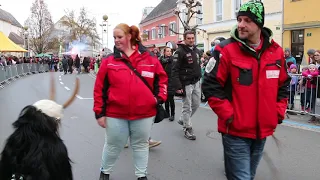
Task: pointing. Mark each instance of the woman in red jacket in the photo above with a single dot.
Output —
(123, 104)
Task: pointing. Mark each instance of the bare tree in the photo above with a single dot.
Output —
(81, 27)
(191, 6)
(39, 25)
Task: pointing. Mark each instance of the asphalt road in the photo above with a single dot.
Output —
(175, 159)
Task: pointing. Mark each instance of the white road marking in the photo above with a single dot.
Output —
(61, 82)
(82, 98)
(87, 98)
(67, 88)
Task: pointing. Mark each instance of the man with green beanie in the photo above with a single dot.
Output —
(247, 88)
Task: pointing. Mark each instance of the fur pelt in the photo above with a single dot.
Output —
(35, 150)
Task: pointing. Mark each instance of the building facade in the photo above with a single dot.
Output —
(219, 16)
(301, 27)
(11, 28)
(155, 26)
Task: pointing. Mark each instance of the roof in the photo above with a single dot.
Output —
(15, 38)
(163, 7)
(5, 16)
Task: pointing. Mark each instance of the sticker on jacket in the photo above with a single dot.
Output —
(210, 65)
(272, 74)
(147, 74)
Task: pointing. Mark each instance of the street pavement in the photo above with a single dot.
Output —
(175, 159)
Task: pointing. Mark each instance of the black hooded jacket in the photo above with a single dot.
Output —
(186, 66)
(167, 63)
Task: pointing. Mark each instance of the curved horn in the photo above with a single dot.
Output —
(75, 92)
(52, 88)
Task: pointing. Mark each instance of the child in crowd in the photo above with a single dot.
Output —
(311, 76)
(293, 85)
(302, 89)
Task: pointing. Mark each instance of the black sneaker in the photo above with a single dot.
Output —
(142, 178)
(104, 176)
(180, 122)
(171, 118)
(188, 133)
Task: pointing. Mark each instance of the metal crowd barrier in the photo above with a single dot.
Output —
(11, 73)
(304, 95)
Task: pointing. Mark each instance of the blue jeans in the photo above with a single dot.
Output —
(117, 133)
(241, 156)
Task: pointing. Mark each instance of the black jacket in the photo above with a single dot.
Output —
(186, 66)
(167, 66)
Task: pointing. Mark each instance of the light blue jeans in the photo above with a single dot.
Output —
(117, 133)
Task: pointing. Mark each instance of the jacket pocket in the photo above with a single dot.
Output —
(245, 76)
(118, 74)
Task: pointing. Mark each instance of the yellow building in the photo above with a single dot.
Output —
(219, 16)
(301, 24)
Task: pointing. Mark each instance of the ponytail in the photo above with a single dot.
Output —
(135, 35)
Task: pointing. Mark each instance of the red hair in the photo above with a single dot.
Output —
(133, 30)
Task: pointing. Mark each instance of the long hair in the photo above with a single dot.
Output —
(34, 150)
(133, 30)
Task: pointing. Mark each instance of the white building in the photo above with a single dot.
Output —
(11, 28)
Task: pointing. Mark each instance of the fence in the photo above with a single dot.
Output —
(11, 73)
(304, 95)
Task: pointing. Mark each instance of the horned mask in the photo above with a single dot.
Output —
(50, 107)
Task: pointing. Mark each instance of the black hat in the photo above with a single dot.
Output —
(253, 9)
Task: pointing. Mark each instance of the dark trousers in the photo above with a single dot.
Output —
(241, 156)
(170, 102)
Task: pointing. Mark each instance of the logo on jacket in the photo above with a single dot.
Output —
(210, 65)
(272, 74)
(147, 74)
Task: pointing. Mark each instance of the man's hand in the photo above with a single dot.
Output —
(102, 122)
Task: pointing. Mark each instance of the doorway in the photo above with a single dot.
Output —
(297, 45)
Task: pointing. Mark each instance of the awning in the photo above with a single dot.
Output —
(6, 45)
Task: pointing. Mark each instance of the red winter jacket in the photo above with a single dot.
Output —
(119, 93)
(247, 89)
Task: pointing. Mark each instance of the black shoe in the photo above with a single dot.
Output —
(143, 178)
(104, 176)
(188, 133)
(171, 118)
(180, 122)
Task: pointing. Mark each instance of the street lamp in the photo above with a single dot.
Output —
(26, 38)
(105, 23)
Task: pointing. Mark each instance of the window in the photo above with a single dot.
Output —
(162, 31)
(153, 33)
(236, 7)
(218, 10)
(199, 17)
(172, 26)
(184, 16)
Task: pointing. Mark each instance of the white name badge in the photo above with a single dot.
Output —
(272, 74)
(147, 74)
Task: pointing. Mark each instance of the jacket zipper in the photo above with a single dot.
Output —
(257, 121)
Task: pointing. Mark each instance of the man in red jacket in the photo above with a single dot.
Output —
(246, 86)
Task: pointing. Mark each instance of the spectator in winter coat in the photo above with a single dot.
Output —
(123, 103)
(166, 61)
(247, 88)
(310, 53)
(288, 56)
(77, 64)
(311, 76)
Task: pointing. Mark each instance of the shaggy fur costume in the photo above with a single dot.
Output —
(35, 151)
